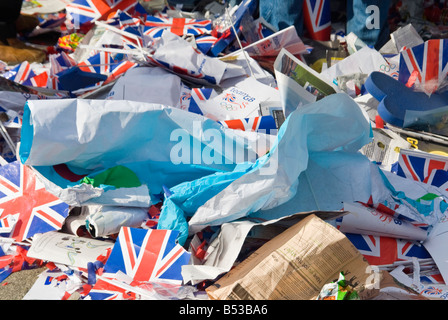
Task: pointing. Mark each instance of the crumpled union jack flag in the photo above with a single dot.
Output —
(84, 12)
(425, 65)
(22, 193)
(425, 167)
(147, 255)
(20, 73)
(109, 289)
(155, 25)
(104, 63)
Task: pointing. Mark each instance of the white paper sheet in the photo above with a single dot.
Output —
(67, 249)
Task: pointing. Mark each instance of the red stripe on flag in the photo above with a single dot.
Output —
(50, 218)
(407, 164)
(178, 253)
(8, 186)
(235, 124)
(178, 26)
(127, 237)
(199, 94)
(414, 63)
(150, 256)
(321, 3)
(432, 60)
(25, 73)
(434, 165)
(254, 126)
(406, 246)
(372, 238)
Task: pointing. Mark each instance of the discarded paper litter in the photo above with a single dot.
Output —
(167, 150)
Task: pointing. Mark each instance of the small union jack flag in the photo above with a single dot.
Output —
(40, 80)
(154, 26)
(385, 250)
(52, 20)
(60, 62)
(264, 124)
(197, 95)
(190, 74)
(425, 65)
(317, 18)
(82, 13)
(205, 42)
(227, 36)
(110, 289)
(424, 167)
(20, 73)
(147, 255)
(22, 193)
(107, 64)
(435, 278)
(132, 27)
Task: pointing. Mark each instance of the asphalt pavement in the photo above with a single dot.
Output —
(17, 284)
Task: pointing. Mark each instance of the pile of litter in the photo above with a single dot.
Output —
(166, 154)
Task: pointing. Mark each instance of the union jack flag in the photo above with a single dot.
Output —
(40, 80)
(52, 20)
(227, 36)
(435, 277)
(264, 124)
(132, 27)
(385, 250)
(147, 255)
(393, 209)
(424, 167)
(425, 65)
(110, 289)
(60, 62)
(190, 74)
(205, 42)
(20, 73)
(107, 64)
(197, 95)
(154, 26)
(83, 13)
(21, 193)
(317, 19)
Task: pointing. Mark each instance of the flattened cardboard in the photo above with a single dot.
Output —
(295, 265)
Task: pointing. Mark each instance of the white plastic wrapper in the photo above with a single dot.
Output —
(106, 220)
(148, 84)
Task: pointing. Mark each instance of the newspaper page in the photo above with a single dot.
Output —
(298, 83)
(295, 265)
